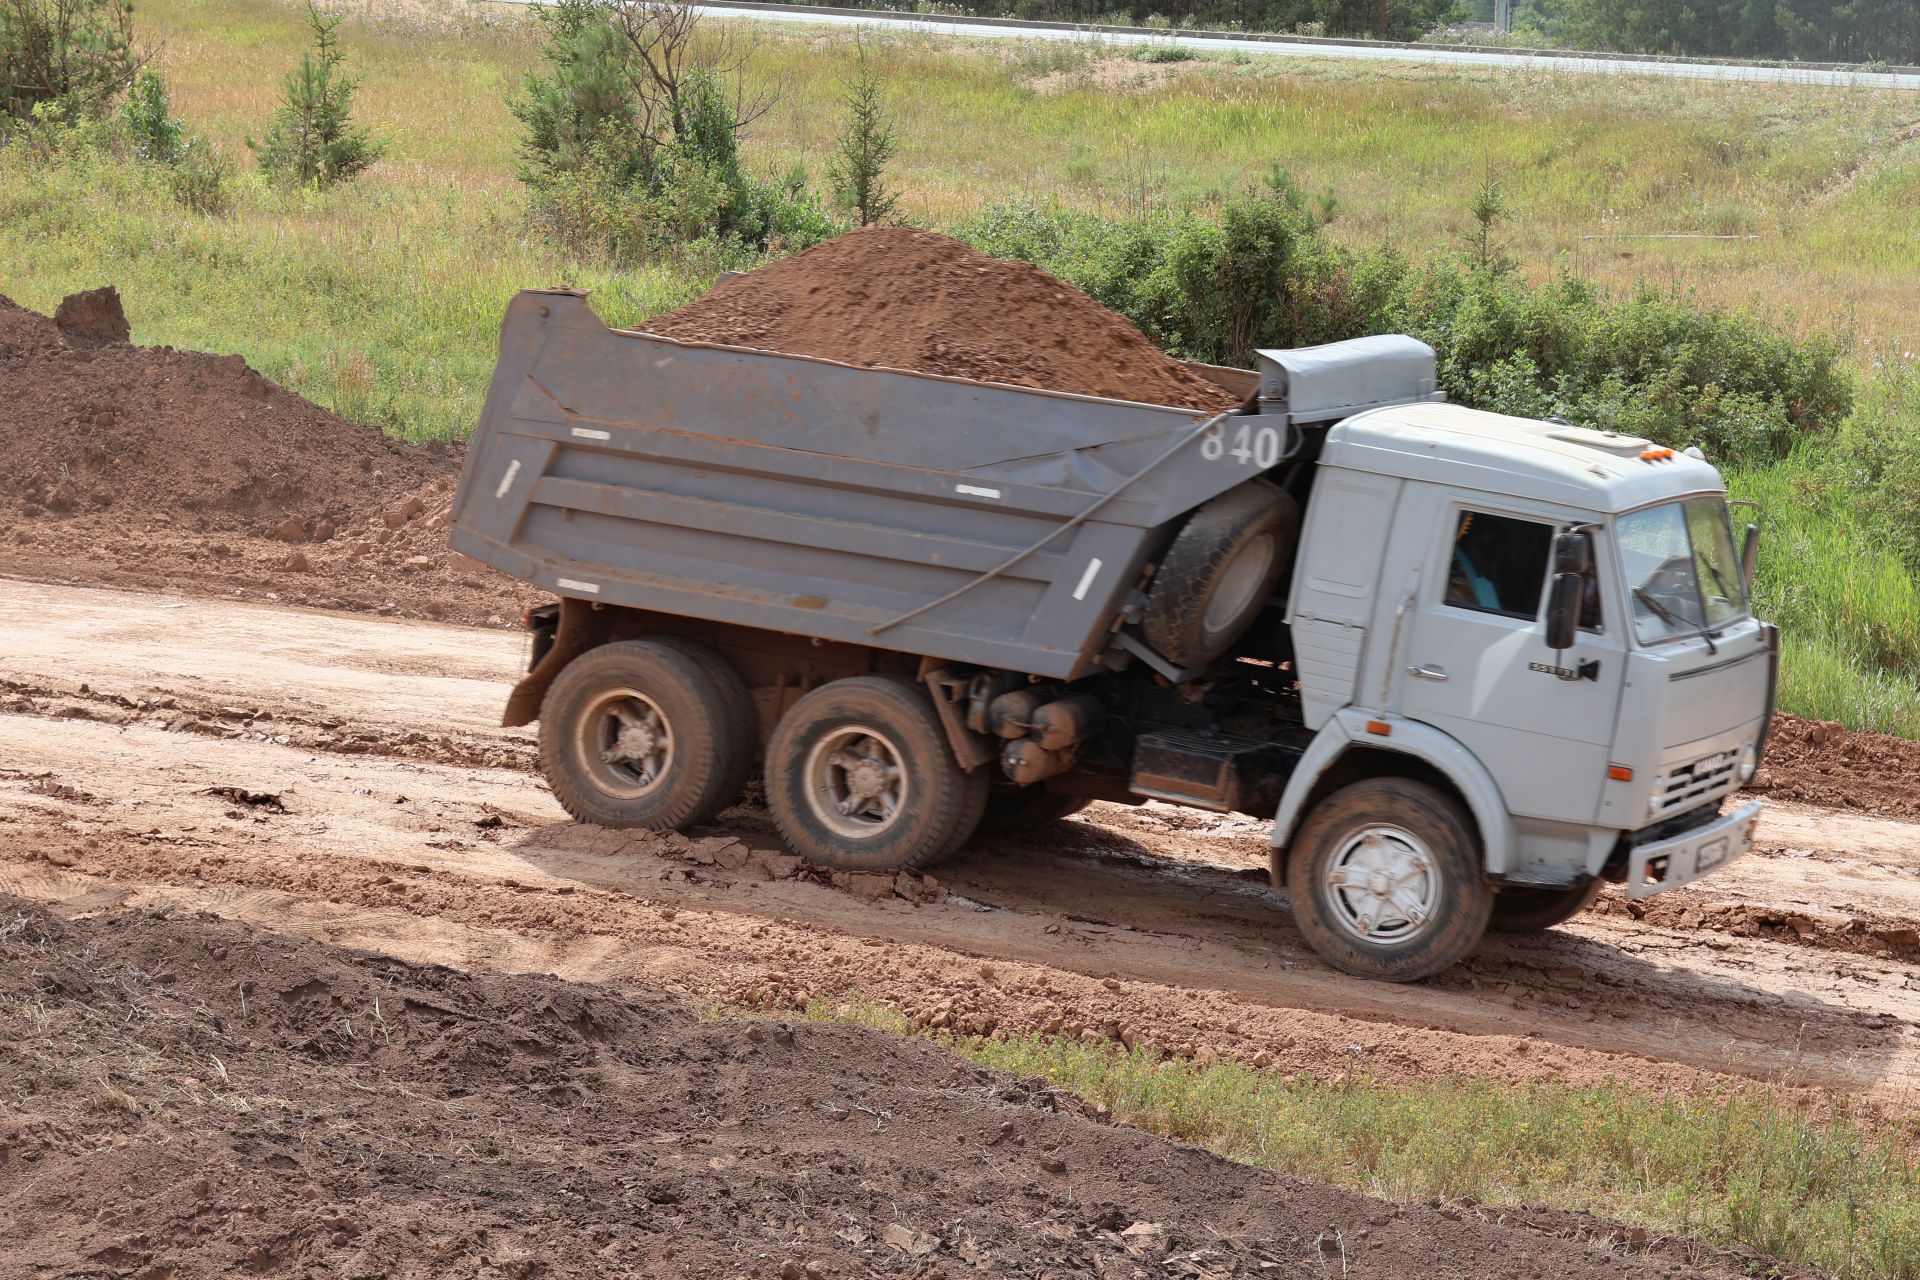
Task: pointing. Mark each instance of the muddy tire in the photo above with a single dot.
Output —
(1386, 881)
(859, 776)
(1537, 910)
(644, 734)
(1220, 572)
(1017, 812)
(742, 717)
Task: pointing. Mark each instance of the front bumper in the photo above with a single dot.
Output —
(1668, 864)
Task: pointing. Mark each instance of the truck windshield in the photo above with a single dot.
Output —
(1681, 569)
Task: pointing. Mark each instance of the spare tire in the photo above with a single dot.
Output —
(1220, 572)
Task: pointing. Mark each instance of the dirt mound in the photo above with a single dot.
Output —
(189, 1097)
(156, 468)
(93, 315)
(903, 299)
(1824, 763)
(176, 439)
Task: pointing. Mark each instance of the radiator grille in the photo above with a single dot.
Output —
(1688, 784)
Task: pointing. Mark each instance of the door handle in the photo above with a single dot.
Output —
(1434, 674)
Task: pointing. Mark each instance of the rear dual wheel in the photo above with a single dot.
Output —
(859, 776)
(654, 733)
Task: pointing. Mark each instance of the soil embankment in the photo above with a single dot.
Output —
(178, 470)
(190, 1097)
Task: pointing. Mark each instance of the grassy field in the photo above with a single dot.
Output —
(1751, 1169)
(381, 300)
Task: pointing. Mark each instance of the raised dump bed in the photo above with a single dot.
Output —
(871, 506)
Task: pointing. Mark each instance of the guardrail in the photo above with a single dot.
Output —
(1281, 38)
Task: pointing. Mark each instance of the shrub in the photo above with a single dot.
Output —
(582, 108)
(631, 143)
(147, 116)
(200, 177)
(1258, 273)
(312, 139)
(72, 56)
(1656, 365)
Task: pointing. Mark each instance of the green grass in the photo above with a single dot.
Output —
(1848, 609)
(382, 300)
(1750, 1169)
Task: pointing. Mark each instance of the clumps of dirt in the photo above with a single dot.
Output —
(93, 315)
(189, 1097)
(897, 298)
(156, 468)
(1822, 762)
(1859, 932)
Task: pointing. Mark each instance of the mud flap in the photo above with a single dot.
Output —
(582, 626)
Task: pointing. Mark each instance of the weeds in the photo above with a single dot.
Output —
(1749, 1169)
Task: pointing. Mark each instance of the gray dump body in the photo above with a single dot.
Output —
(818, 499)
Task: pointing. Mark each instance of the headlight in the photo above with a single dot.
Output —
(1653, 801)
(1744, 770)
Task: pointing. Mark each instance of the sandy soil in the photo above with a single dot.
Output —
(341, 778)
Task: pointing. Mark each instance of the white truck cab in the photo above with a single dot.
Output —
(1554, 621)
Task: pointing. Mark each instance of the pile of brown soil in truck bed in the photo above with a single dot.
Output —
(157, 468)
(892, 297)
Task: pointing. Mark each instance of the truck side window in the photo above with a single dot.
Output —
(1498, 564)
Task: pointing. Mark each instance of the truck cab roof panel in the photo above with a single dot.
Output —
(1515, 457)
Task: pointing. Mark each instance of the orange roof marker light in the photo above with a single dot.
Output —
(1657, 454)
(1380, 728)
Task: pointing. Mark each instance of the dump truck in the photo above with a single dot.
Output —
(1470, 666)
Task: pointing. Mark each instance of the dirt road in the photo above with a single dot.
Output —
(341, 777)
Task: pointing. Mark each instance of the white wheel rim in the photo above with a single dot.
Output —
(626, 743)
(1238, 585)
(1383, 885)
(857, 784)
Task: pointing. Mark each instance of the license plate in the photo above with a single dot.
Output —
(1711, 855)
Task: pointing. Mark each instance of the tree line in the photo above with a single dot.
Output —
(1806, 30)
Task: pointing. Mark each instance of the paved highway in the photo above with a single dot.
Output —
(1580, 64)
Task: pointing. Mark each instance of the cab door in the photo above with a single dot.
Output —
(1474, 661)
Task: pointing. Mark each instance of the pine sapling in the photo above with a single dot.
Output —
(857, 170)
(313, 140)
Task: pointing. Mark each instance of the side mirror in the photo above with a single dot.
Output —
(1573, 553)
(1563, 609)
(1750, 556)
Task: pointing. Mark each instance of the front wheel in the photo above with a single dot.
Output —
(1536, 910)
(1386, 882)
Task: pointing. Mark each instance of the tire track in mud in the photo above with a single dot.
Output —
(1860, 931)
(408, 815)
(1194, 959)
